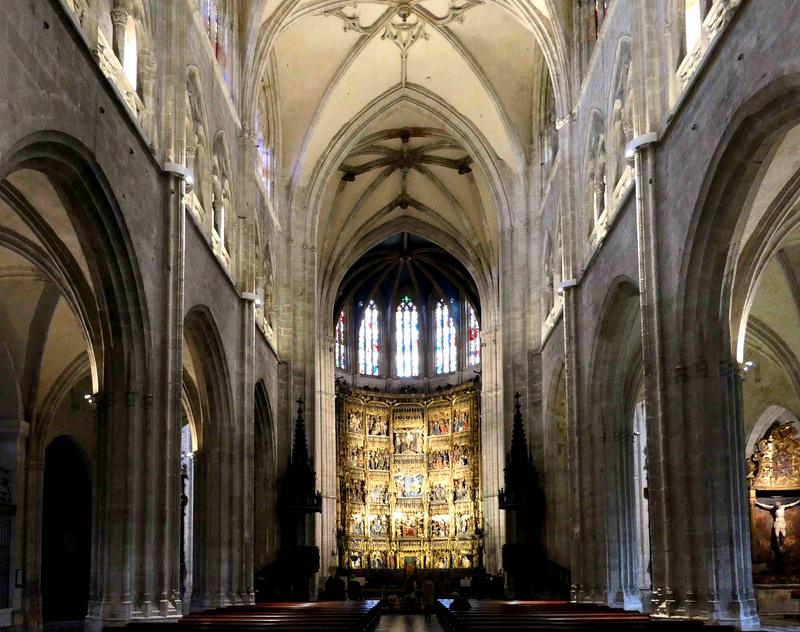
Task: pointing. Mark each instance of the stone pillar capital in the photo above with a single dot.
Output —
(119, 17)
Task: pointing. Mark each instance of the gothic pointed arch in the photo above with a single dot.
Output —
(620, 119)
(223, 205)
(211, 374)
(615, 383)
(97, 269)
(198, 149)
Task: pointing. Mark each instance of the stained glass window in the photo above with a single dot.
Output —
(474, 349)
(216, 26)
(407, 331)
(264, 164)
(600, 9)
(339, 342)
(369, 341)
(445, 339)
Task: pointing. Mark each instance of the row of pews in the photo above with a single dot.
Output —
(336, 616)
(556, 615)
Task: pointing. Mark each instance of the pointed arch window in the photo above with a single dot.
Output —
(216, 22)
(474, 349)
(339, 343)
(369, 341)
(445, 336)
(600, 10)
(263, 149)
(407, 338)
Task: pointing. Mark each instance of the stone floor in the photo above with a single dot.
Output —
(408, 623)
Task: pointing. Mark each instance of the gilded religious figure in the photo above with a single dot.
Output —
(355, 423)
(461, 421)
(377, 426)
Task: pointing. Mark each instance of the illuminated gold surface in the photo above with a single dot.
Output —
(409, 471)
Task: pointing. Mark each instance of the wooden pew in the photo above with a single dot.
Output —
(556, 615)
(351, 616)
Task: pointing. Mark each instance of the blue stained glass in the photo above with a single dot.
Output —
(474, 355)
(407, 339)
(339, 343)
(369, 341)
(446, 348)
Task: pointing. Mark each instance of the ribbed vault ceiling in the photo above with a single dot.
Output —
(406, 264)
(425, 106)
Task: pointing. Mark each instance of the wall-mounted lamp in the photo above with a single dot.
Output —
(639, 141)
(565, 284)
(180, 171)
(249, 296)
(748, 366)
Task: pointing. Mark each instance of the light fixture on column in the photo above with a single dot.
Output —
(249, 296)
(639, 141)
(565, 284)
(180, 171)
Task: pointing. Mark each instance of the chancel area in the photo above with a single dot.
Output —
(319, 314)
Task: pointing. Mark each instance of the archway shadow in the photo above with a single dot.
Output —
(66, 532)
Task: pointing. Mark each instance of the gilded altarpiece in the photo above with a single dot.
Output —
(409, 469)
(774, 477)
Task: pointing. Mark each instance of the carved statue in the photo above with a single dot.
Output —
(778, 518)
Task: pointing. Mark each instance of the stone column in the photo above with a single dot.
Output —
(13, 454)
(31, 592)
(218, 219)
(119, 20)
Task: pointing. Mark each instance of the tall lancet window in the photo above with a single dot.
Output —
(600, 9)
(474, 350)
(407, 331)
(445, 339)
(215, 18)
(369, 341)
(339, 342)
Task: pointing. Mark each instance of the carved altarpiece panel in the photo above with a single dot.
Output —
(410, 477)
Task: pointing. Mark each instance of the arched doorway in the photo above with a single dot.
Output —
(66, 532)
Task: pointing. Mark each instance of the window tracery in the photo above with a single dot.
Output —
(221, 199)
(407, 338)
(600, 10)
(369, 341)
(445, 338)
(340, 343)
(263, 145)
(216, 22)
(474, 348)
(196, 144)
